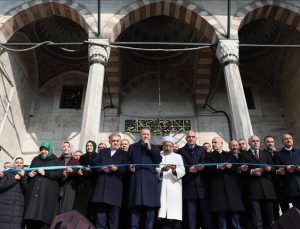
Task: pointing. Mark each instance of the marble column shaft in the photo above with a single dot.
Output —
(228, 55)
(98, 57)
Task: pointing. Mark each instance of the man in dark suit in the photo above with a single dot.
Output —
(290, 157)
(194, 185)
(260, 192)
(224, 191)
(109, 186)
(284, 205)
(144, 192)
(234, 148)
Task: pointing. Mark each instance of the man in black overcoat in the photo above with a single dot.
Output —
(260, 192)
(144, 192)
(279, 189)
(109, 185)
(224, 191)
(193, 184)
(290, 157)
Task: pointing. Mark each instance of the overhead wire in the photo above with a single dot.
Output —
(129, 46)
(25, 49)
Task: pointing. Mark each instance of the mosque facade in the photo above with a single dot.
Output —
(82, 69)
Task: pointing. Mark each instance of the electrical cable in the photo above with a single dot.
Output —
(26, 49)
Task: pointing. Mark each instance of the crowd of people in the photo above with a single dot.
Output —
(140, 185)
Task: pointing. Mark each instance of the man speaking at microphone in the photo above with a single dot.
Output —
(144, 193)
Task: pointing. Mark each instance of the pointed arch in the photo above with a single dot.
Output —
(182, 10)
(32, 11)
(279, 11)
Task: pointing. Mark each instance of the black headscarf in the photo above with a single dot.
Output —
(90, 154)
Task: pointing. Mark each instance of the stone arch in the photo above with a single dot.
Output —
(70, 76)
(183, 10)
(29, 12)
(73, 75)
(279, 11)
(201, 19)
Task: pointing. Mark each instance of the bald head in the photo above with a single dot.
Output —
(191, 137)
(287, 141)
(217, 144)
(254, 142)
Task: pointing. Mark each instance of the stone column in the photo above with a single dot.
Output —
(228, 55)
(98, 57)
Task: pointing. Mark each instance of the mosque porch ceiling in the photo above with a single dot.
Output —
(264, 63)
(180, 66)
(53, 60)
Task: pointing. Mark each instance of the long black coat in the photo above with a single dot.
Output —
(259, 187)
(290, 181)
(43, 191)
(144, 186)
(68, 186)
(109, 186)
(224, 192)
(85, 186)
(194, 184)
(12, 193)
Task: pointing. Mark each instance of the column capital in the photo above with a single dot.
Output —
(99, 51)
(228, 51)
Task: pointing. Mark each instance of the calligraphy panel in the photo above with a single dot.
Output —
(158, 126)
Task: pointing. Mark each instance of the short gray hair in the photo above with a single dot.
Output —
(114, 134)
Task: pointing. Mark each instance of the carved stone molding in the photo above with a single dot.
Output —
(228, 51)
(99, 51)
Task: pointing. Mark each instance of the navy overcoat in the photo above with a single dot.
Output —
(291, 181)
(144, 185)
(194, 184)
(109, 186)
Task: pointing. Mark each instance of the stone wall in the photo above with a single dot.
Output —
(16, 98)
(49, 122)
(266, 119)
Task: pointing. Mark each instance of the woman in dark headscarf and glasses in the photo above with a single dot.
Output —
(86, 182)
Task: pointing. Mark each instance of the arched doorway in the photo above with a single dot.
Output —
(271, 73)
(161, 87)
(32, 115)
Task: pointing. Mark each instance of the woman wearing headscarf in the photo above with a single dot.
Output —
(13, 186)
(68, 183)
(86, 182)
(43, 190)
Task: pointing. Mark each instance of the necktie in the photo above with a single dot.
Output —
(256, 154)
